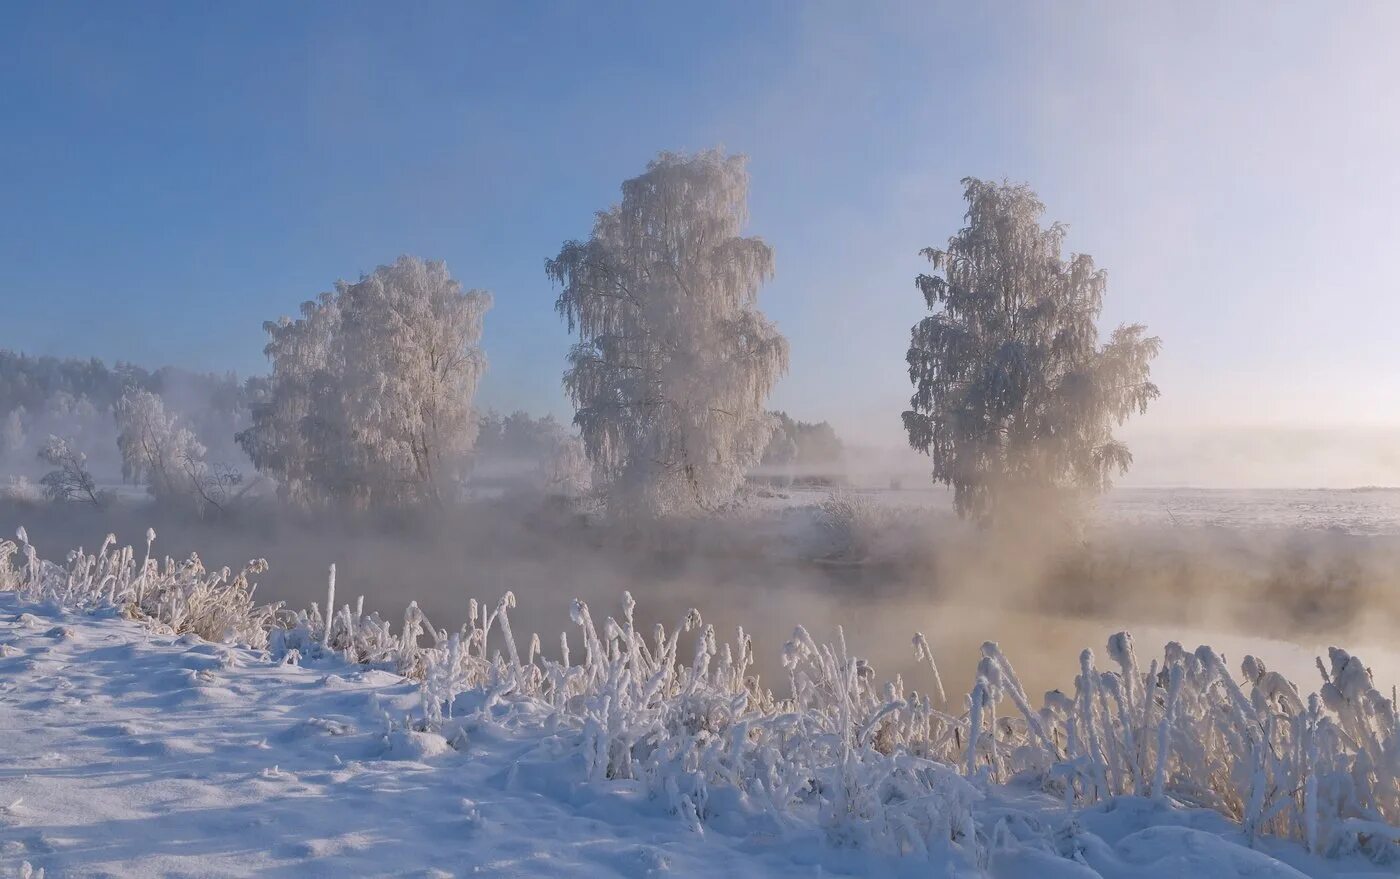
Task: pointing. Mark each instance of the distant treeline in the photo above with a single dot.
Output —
(78, 401)
(32, 382)
(804, 448)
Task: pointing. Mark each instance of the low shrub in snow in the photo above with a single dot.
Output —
(880, 764)
(852, 525)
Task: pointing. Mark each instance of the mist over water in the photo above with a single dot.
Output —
(1280, 574)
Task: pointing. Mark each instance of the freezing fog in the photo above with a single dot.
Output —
(778, 485)
(861, 543)
(1027, 507)
(1015, 512)
(898, 332)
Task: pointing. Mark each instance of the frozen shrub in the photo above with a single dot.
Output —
(22, 490)
(852, 525)
(180, 597)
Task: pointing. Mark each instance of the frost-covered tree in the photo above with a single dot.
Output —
(565, 471)
(518, 451)
(75, 399)
(805, 447)
(298, 433)
(1014, 396)
(159, 452)
(516, 438)
(12, 434)
(413, 362)
(70, 479)
(674, 360)
(369, 402)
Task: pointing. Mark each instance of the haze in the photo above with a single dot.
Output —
(520, 439)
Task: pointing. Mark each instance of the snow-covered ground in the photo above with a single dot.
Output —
(130, 753)
(1361, 511)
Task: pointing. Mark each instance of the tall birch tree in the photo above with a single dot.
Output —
(1015, 397)
(370, 399)
(674, 360)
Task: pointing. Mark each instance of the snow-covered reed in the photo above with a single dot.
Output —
(179, 596)
(880, 763)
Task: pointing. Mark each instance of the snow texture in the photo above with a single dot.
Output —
(136, 751)
(137, 754)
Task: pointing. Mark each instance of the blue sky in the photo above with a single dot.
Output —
(175, 174)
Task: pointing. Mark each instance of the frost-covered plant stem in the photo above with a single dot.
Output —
(881, 765)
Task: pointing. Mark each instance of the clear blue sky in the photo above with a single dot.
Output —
(174, 174)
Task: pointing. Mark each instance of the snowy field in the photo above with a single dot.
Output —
(1360, 511)
(138, 754)
(293, 745)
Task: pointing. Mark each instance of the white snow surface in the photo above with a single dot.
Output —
(1359, 511)
(131, 753)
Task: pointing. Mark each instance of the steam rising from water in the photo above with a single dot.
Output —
(887, 574)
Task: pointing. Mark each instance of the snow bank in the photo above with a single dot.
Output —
(674, 724)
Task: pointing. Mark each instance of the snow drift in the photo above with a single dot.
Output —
(879, 766)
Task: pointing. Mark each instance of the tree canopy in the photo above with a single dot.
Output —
(1014, 397)
(674, 361)
(369, 402)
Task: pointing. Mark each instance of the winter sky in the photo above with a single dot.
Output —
(174, 174)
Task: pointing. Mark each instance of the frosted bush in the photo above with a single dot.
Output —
(181, 597)
(21, 489)
(852, 525)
